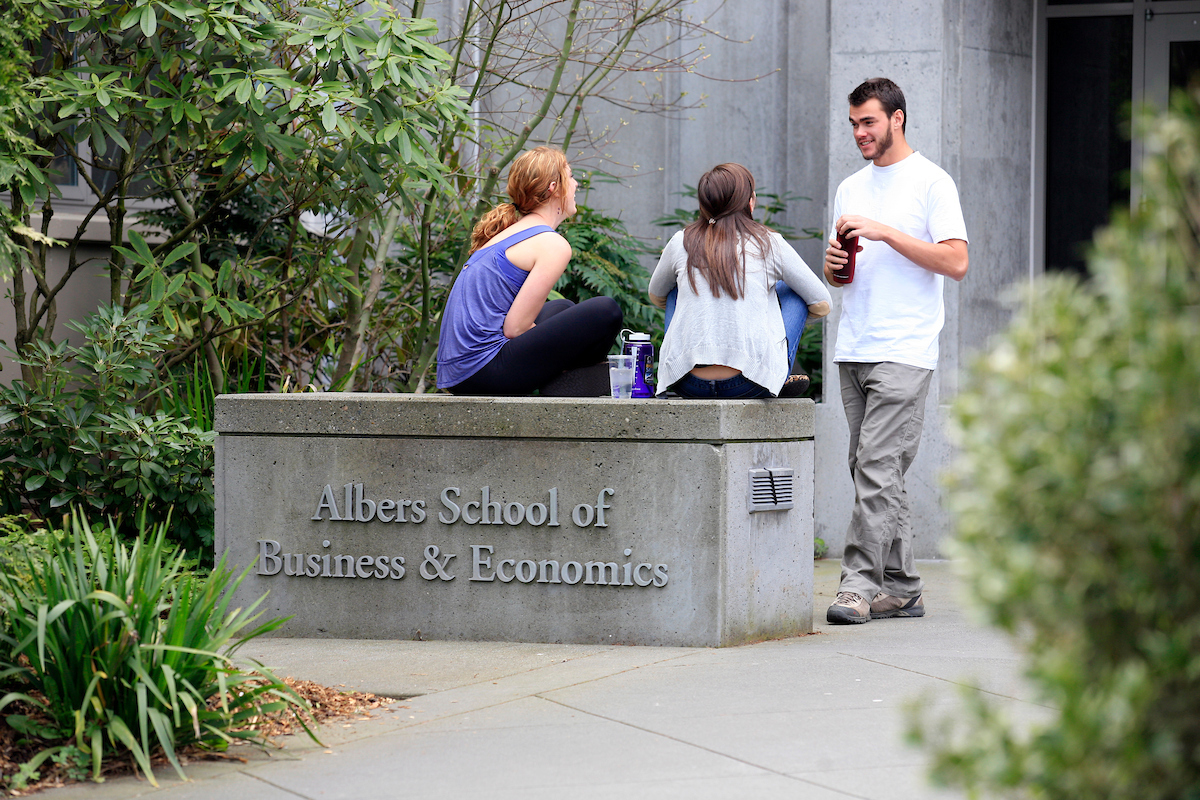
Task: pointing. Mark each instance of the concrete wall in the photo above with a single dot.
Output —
(773, 97)
(758, 97)
(86, 288)
(761, 92)
(773, 91)
(448, 488)
(974, 122)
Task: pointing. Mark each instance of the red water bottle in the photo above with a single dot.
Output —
(850, 245)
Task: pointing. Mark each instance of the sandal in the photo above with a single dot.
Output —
(795, 386)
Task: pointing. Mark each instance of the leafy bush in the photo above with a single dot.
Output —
(125, 651)
(233, 120)
(75, 434)
(605, 261)
(1078, 503)
(820, 548)
(22, 536)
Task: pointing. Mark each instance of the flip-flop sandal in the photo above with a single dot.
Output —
(795, 386)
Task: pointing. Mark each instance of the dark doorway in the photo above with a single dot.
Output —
(1089, 83)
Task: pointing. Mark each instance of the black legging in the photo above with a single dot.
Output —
(564, 337)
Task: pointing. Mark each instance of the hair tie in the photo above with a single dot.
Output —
(712, 220)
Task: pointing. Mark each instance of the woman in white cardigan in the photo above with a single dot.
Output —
(743, 297)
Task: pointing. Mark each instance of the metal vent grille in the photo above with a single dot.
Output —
(771, 489)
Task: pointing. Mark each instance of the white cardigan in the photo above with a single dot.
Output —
(746, 334)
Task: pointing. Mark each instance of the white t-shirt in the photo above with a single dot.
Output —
(893, 311)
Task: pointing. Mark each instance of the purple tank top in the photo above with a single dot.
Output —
(473, 322)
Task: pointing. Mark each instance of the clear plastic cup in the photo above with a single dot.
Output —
(620, 376)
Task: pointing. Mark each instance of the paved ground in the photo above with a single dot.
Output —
(818, 716)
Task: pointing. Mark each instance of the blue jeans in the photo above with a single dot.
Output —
(795, 314)
(739, 387)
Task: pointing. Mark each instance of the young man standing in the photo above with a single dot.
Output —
(905, 212)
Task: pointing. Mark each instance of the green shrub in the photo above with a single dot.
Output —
(75, 434)
(1078, 504)
(125, 651)
(820, 548)
(605, 260)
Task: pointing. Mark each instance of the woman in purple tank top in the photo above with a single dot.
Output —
(500, 335)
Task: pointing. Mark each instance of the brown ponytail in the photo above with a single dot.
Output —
(725, 226)
(529, 181)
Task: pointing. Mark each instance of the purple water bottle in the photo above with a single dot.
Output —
(639, 346)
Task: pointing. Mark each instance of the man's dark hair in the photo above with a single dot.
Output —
(887, 93)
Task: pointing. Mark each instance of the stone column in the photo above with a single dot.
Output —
(966, 68)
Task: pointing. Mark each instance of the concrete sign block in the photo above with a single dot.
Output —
(519, 519)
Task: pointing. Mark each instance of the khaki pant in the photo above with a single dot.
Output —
(885, 408)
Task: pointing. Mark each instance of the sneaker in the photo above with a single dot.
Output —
(847, 609)
(885, 606)
(795, 386)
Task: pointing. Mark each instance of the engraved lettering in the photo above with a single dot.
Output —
(599, 569)
(487, 507)
(550, 567)
(360, 508)
(486, 565)
(566, 572)
(586, 520)
(526, 570)
(385, 506)
(361, 503)
(480, 562)
(269, 563)
(293, 563)
(327, 502)
(437, 563)
(451, 505)
(601, 506)
(500, 570)
(541, 514)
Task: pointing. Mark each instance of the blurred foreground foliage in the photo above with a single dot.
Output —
(1078, 503)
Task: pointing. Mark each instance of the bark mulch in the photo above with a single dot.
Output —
(326, 703)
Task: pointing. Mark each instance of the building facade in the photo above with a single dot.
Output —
(1023, 102)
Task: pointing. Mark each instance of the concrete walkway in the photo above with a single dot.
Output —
(818, 717)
